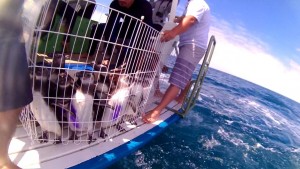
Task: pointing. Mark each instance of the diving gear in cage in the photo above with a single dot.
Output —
(84, 97)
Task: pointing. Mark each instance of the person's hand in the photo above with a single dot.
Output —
(167, 35)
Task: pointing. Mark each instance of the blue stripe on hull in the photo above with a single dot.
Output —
(112, 156)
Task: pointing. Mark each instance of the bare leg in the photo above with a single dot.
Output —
(169, 96)
(8, 123)
(183, 93)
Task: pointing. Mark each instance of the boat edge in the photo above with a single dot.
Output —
(107, 159)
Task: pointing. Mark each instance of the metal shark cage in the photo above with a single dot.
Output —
(91, 78)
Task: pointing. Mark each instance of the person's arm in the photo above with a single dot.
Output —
(184, 25)
(194, 13)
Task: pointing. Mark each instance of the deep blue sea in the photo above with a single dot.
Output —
(234, 124)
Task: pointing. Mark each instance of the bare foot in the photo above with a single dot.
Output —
(151, 116)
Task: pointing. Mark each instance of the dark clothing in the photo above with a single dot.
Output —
(96, 33)
(88, 12)
(15, 86)
(115, 29)
(138, 9)
(157, 27)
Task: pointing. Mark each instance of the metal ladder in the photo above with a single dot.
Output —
(193, 93)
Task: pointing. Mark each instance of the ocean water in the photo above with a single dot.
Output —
(234, 124)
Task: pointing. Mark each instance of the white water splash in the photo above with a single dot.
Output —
(139, 159)
(259, 146)
(209, 143)
(269, 115)
(193, 119)
(297, 150)
(229, 122)
(232, 138)
(275, 118)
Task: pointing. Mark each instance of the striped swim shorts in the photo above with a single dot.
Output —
(186, 62)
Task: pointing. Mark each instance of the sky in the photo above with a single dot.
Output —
(257, 40)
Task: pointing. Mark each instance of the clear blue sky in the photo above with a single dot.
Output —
(277, 22)
(271, 30)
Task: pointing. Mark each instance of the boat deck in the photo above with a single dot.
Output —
(32, 154)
